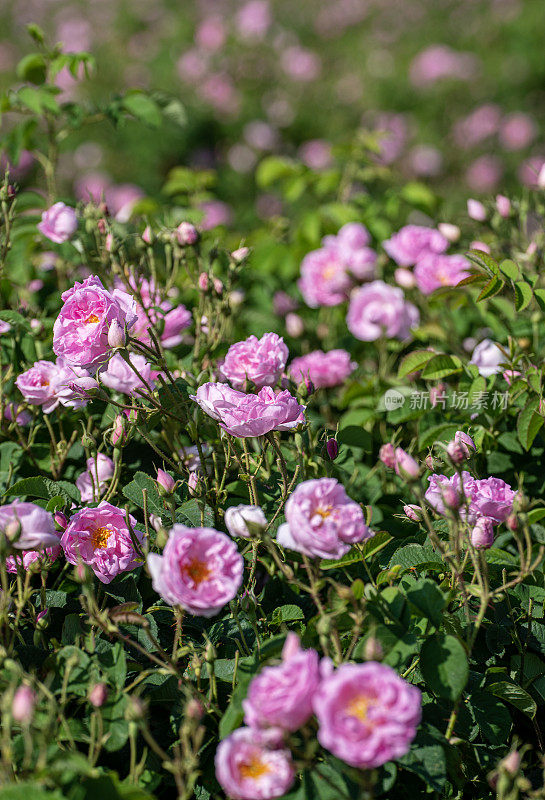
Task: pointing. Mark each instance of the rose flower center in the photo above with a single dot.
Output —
(324, 511)
(100, 537)
(91, 318)
(197, 570)
(254, 768)
(359, 706)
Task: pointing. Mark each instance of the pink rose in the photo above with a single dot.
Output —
(58, 223)
(244, 415)
(281, 696)
(324, 280)
(434, 271)
(200, 570)
(490, 497)
(411, 243)
(367, 714)
(247, 769)
(377, 310)
(32, 525)
(38, 385)
(261, 361)
(321, 520)
(27, 557)
(323, 369)
(482, 534)
(152, 311)
(95, 479)
(120, 377)
(80, 332)
(100, 538)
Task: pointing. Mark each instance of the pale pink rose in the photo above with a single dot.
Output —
(387, 455)
(351, 245)
(153, 311)
(503, 206)
(250, 415)
(377, 310)
(95, 478)
(100, 538)
(490, 497)
(283, 303)
(253, 19)
(120, 377)
(23, 704)
(321, 520)
(80, 332)
(68, 383)
(484, 174)
(405, 465)
(404, 278)
(281, 696)
(435, 271)
(216, 213)
(412, 242)
(38, 385)
(488, 357)
(238, 518)
(324, 279)
(517, 131)
(300, 63)
(247, 769)
(316, 154)
(393, 133)
(476, 245)
(367, 714)
(58, 223)
(260, 361)
(323, 369)
(200, 570)
(477, 126)
(438, 62)
(476, 210)
(34, 526)
(210, 35)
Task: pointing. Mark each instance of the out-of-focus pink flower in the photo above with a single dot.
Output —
(435, 271)
(404, 278)
(322, 521)
(387, 455)
(532, 172)
(393, 133)
(247, 769)
(186, 233)
(503, 206)
(200, 570)
(482, 534)
(449, 231)
(261, 361)
(38, 385)
(122, 199)
(59, 223)
(425, 161)
(488, 357)
(283, 303)
(281, 696)
(121, 378)
(22, 707)
(413, 242)
(95, 478)
(294, 325)
(100, 538)
(98, 694)
(316, 154)
(238, 517)
(25, 558)
(34, 526)
(517, 131)
(80, 332)
(477, 126)
(250, 415)
(253, 20)
(14, 412)
(324, 280)
(323, 369)
(367, 714)
(377, 310)
(210, 35)
(215, 213)
(192, 65)
(476, 210)
(484, 174)
(300, 63)
(439, 61)
(465, 441)
(405, 465)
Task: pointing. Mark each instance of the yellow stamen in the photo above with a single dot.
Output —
(100, 537)
(254, 768)
(359, 706)
(92, 318)
(197, 570)
(324, 512)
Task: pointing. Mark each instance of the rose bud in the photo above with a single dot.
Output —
(239, 255)
(482, 535)
(512, 522)
(373, 650)
(166, 482)
(245, 521)
(405, 465)
(511, 762)
(61, 520)
(456, 453)
(98, 694)
(466, 443)
(147, 235)
(476, 210)
(119, 435)
(449, 231)
(451, 498)
(22, 707)
(186, 233)
(116, 335)
(387, 455)
(193, 483)
(413, 512)
(503, 206)
(332, 449)
(203, 282)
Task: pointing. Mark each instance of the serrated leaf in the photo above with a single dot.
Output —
(484, 260)
(523, 295)
(413, 362)
(515, 695)
(440, 366)
(509, 268)
(491, 288)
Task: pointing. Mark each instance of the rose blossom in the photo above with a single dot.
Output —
(58, 223)
(200, 570)
(367, 714)
(261, 361)
(281, 696)
(321, 520)
(153, 311)
(412, 242)
(489, 497)
(377, 310)
(324, 280)
(434, 271)
(487, 356)
(37, 528)
(100, 538)
(80, 332)
(120, 377)
(323, 369)
(27, 557)
(38, 385)
(244, 415)
(247, 769)
(95, 479)
(482, 535)
(238, 517)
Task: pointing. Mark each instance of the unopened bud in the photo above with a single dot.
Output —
(119, 434)
(98, 694)
(405, 465)
(165, 482)
(135, 709)
(332, 449)
(203, 282)
(387, 455)
(13, 531)
(451, 498)
(512, 522)
(186, 233)
(43, 619)
(147, 235)
(61, 520)
(116, 335)
(194, 709)
(373, 650)
(413, 512)
(193, 483)
(22, 707)
(239, 255)
(482, 535)
(449, 231)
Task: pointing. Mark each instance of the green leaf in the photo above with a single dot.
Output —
(32, 68)
(414, 362)
(539, 295)
(443, 663)
(142, 107)
(528, 424)
(515, 695)
(510, 269)
(428, 599)
(484, 260)
(272, 169)
(288, 613)
(44, 488)
(426, 759)
(440, 366)
(22, 791)
(416, 556)
(523, 295)
(491, 288)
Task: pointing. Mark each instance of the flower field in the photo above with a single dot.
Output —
(272, 516)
